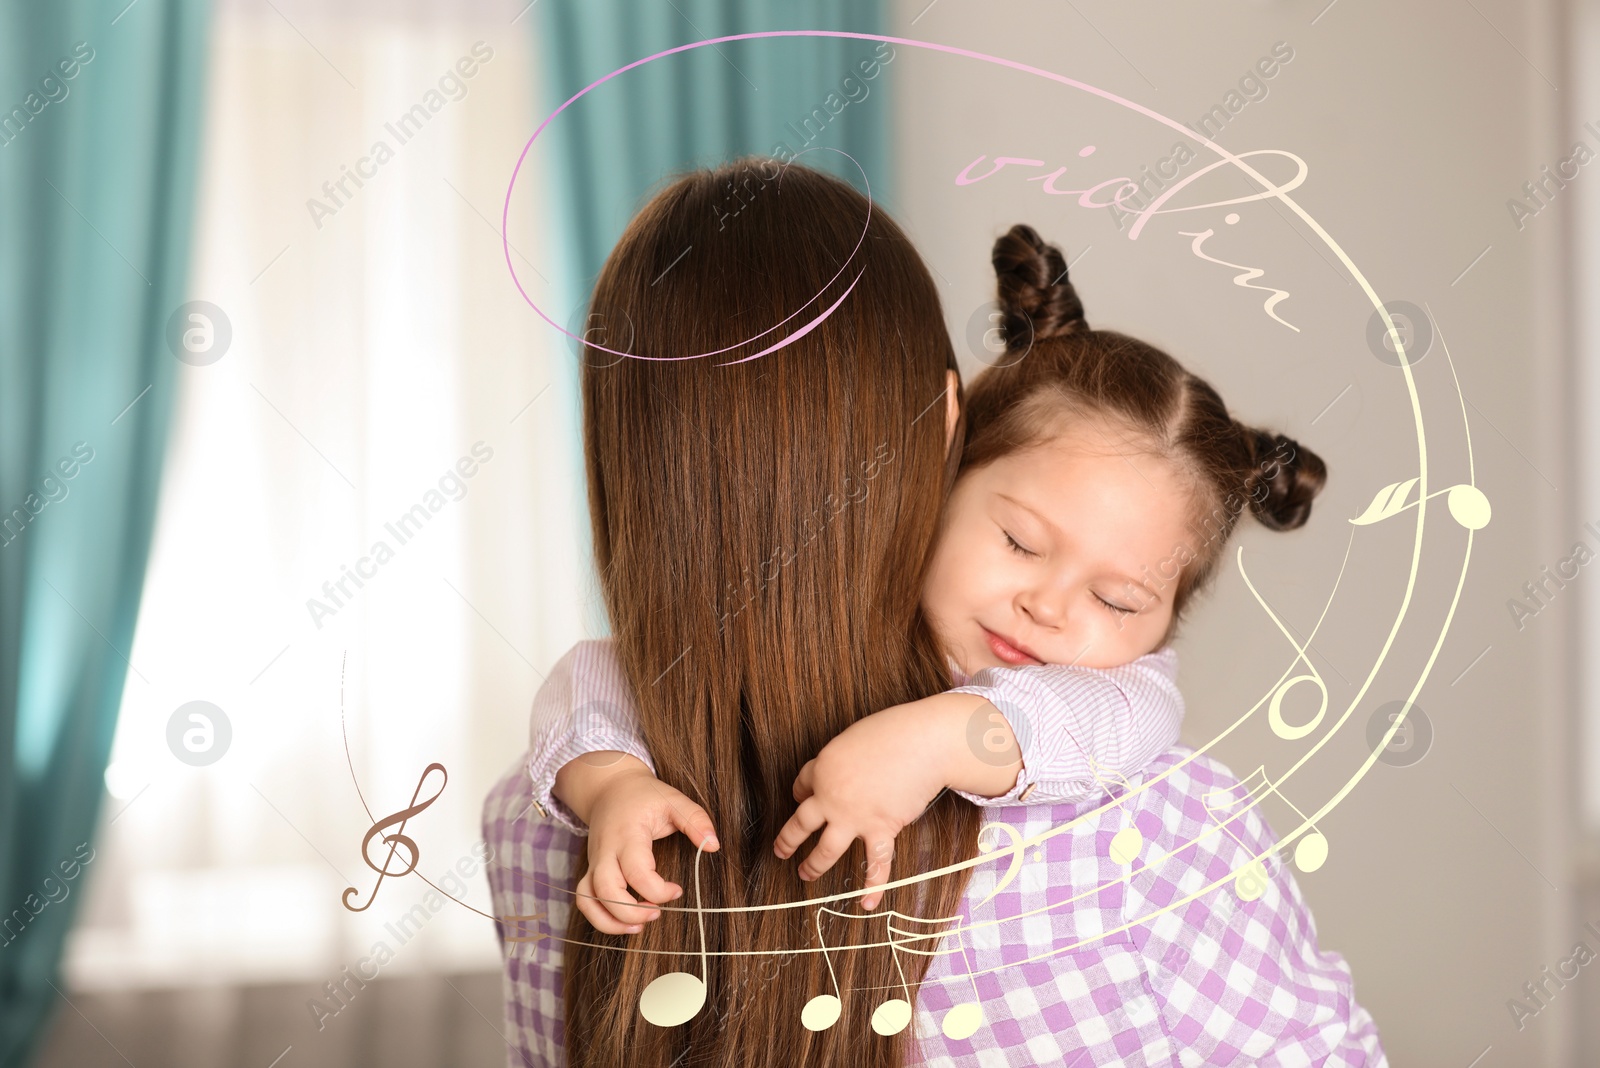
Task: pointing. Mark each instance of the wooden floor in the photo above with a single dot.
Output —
(401, 1022)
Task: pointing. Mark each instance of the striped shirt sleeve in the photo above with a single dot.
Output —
(1068, 721)
(584, 706)
(1080, 726)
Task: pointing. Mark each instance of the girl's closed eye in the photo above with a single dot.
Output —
(1016, 546)
(1117, 608)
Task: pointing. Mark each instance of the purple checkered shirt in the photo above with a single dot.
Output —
(1114, 977)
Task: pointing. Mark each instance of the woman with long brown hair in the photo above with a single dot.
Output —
(706, 466)
(703, 471)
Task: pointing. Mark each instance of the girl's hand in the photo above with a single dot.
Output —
(627, 815)
(875, 777)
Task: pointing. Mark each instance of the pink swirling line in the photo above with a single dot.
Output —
(505, 227)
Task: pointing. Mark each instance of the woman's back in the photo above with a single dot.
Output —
(763, 594)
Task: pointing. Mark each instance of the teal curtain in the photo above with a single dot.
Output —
(99, 117)
(697, 108)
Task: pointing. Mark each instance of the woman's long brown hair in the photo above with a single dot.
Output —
(761, 529)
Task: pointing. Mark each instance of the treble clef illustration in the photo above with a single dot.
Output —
(396, 840)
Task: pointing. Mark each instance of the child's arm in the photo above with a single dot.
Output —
(584, 709)
(592, 773)
(1048, 733)
(1077, 727)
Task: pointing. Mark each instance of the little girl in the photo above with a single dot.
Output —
(1099, 483)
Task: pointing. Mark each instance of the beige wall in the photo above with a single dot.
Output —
(1450, 882)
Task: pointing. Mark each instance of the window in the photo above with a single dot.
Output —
(384, 386)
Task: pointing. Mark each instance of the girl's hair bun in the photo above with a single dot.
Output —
(1036, 299)
(1284, 478)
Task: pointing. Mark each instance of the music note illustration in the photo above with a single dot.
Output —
(1467, 504)
(1283, 728)
(963, 1020)
(396, 840)
(1127, 843)
(675, 998)
(892, 1016)
(822, 1011)
(1251, 880)
(1280, 726)
(1017, 856)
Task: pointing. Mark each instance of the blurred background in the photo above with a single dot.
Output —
(257, 319)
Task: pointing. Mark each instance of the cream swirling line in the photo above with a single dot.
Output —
(1020, 845)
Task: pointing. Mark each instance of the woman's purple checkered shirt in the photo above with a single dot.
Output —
(1108, 978)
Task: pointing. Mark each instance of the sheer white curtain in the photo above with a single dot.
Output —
(377, 344)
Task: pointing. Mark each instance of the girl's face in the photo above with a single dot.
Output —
(1062, 553)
